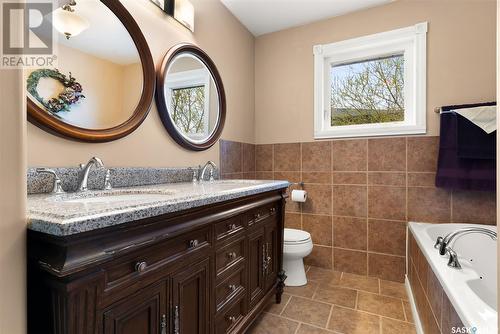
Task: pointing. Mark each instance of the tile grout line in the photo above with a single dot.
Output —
(406, 176)
(329, 317)
(367, 207)
(331, 208)
(404, 311)
(286, 304)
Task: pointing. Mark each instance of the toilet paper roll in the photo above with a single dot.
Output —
(299, 195)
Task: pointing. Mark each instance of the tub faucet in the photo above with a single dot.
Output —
(84, 176)
(212, 166)
(442, 243)
(453, 261)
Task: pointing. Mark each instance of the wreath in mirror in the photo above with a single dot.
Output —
(71, 94)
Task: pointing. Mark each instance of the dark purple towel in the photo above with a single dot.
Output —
(456, 172)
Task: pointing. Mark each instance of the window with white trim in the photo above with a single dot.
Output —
(371, 86)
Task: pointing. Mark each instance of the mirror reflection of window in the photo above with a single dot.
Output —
(188, 110)
(192, 97)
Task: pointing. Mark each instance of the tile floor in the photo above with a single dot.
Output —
(335, 302)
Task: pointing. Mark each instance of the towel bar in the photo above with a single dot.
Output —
(440, 111)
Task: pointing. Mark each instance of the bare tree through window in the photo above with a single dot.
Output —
(188, 109)
(368, 92)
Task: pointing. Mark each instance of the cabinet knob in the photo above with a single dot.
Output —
(257, 215)
(231, 227)
(232, 255)
(141, 266)
(193, 243)
(272, 210)
(232, 319)
(232, 287)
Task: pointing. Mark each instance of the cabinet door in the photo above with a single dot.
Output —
(143, 313)
(190, 299)
(256, 249)
(271, 252)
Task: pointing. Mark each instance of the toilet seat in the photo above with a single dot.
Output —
(294, 237)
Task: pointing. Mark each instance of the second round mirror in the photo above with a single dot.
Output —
(190, 97)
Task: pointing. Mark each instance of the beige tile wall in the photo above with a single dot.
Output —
(361, 194)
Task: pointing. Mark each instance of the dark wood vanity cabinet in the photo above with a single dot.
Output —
(206, 270)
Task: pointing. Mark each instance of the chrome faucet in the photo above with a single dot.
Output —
(442, 243)
(84, 176)
(453, 261)
(202, 172)
(57, 185)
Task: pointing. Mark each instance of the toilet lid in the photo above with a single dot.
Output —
(296, 236)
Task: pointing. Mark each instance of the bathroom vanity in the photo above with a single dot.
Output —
(177, 258)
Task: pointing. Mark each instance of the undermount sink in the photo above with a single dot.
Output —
(115, 196)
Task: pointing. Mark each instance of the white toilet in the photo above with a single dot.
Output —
(297, 245)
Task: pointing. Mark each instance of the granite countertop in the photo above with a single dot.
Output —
(72, 213)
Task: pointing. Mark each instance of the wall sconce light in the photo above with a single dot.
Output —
(181, 10)
(68, 22)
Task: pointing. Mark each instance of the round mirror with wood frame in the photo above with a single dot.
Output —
(136, 111)
(190, 97)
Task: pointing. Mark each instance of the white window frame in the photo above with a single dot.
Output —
(187, 79)
(410, 42)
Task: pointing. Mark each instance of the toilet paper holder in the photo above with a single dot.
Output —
(301, 184)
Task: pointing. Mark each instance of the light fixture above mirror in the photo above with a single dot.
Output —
(68, 22)
(181, 10)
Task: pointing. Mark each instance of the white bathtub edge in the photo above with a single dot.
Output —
(414, 312)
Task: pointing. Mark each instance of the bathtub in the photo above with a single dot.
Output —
(472, 290)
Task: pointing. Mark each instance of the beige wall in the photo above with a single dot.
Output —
(460, 61)
(230, 46)
(12, 203)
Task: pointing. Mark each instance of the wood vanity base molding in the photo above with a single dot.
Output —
(211, 269)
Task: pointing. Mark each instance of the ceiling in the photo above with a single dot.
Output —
(106, 38)
(265, 16)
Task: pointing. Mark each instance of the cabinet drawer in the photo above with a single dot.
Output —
(229, 228)
(261, 213)
(230, 288)
(229, 256)
(135, 268)
(229, 319)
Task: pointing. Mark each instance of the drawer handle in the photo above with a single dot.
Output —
(232, 319)
(140, 267)
(193, 243)
(272, 210)
(257, 215)
(231, 227)
(232, 287)
(231, 255)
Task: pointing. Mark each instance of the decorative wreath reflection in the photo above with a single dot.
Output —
(71, 94)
